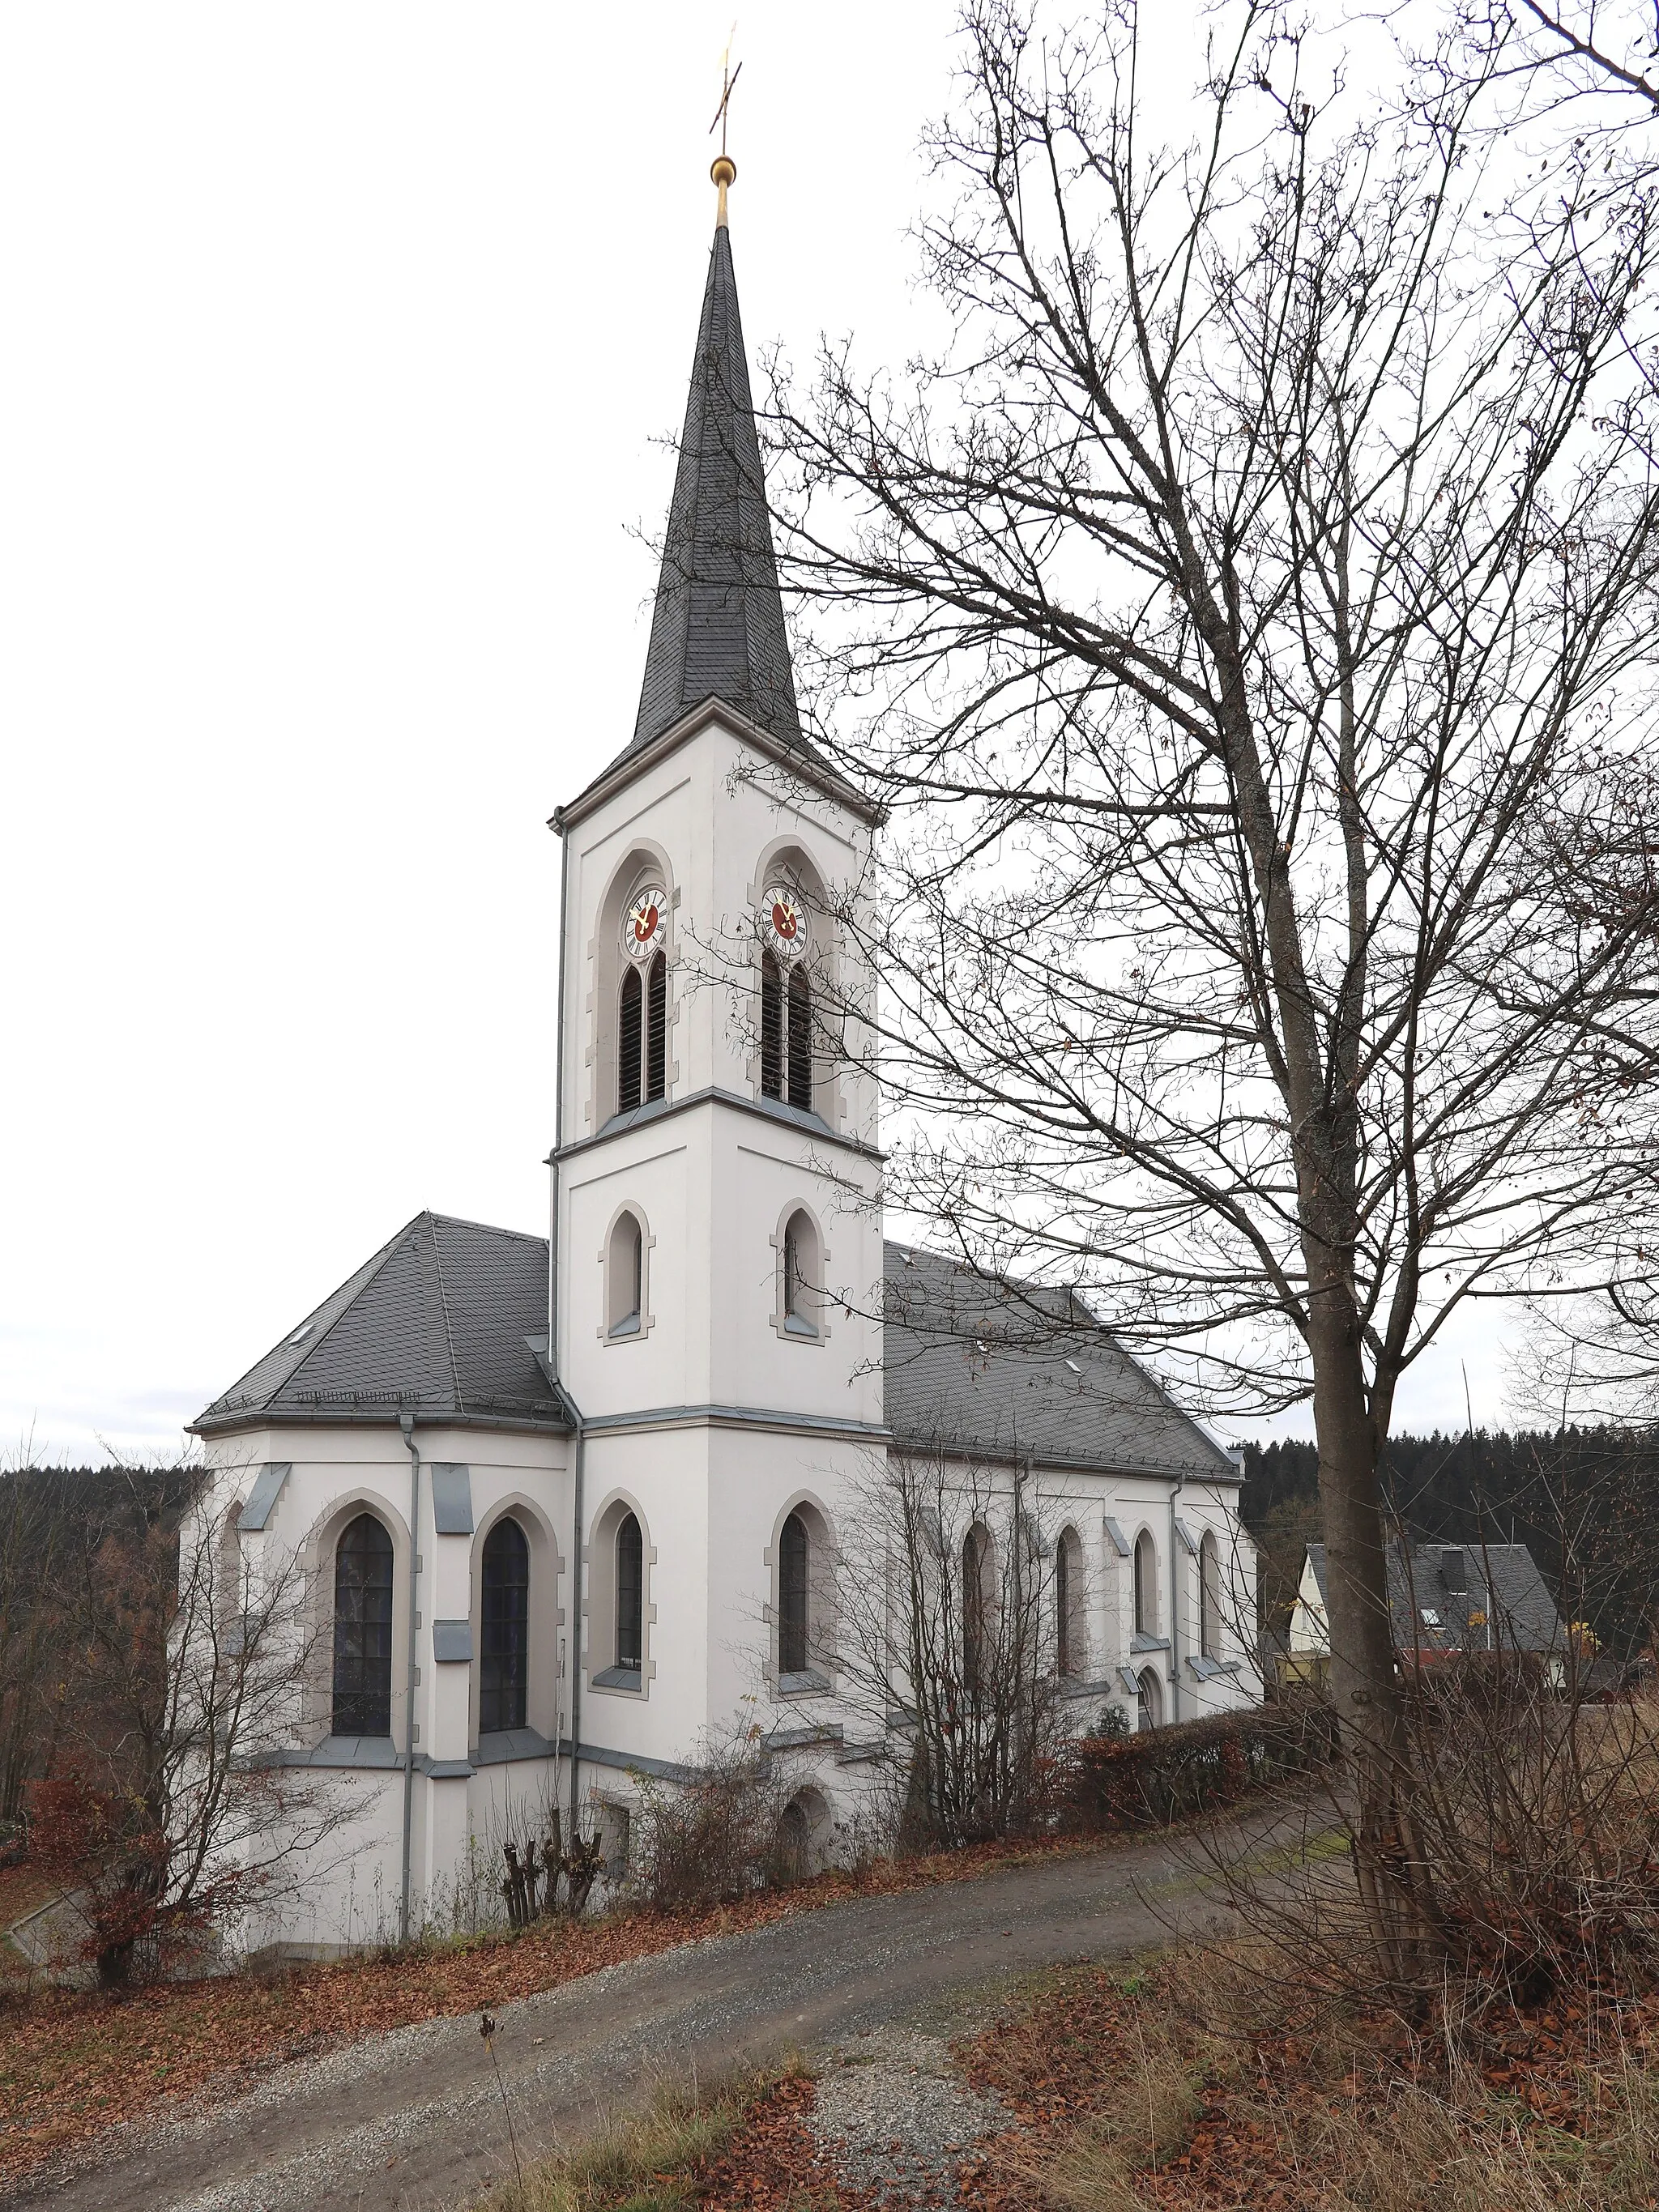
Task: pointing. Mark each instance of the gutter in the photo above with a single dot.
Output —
(406, 1423)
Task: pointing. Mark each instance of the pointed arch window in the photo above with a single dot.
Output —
(1209, 1597)
(642, 1035)
(976, 1609)
(1145, 1584)
(786, 1031)
(771, 1026)
(1070, 1631)
(630, 1027)
(656, 1028)
(630, 1596)
(362, 1629)
(801, 1039)
(794, 1580)
(504, 1643)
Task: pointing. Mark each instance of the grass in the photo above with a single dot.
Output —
(1209, 2078)
(661, 2162)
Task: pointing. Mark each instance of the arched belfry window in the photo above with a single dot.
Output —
(786, 1031)
(362, 1629)
(630, 1596)
(642, 1035)
(504, 1643)
(794, 1582)
(801, 1039)
(771, 1027)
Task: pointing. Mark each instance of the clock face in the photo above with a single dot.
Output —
(784, 918)
(642, 924)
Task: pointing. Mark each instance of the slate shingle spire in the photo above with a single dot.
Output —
(717, 631)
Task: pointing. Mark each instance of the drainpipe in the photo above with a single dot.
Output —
(406, 1423)
(573, 1641)
(1175, 1605)
(575, 1644)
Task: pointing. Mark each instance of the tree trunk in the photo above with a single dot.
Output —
(1366, 1694)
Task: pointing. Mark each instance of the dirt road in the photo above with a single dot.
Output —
(412, 2120)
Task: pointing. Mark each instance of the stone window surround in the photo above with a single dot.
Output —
(600, 1559)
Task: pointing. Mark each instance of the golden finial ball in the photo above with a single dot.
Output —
(725, 171)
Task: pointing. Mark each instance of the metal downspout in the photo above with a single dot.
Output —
(1175, 1604)
(406, 1423)
(574, 1643)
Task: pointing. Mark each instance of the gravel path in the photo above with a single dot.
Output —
(410, 2121)
(892, 2115)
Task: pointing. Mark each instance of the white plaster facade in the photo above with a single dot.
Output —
(709, 1418)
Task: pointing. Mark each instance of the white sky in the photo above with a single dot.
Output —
(342, 344)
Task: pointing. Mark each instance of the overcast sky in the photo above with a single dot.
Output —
(342, 346)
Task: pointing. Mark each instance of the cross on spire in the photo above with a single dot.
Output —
(725, 170)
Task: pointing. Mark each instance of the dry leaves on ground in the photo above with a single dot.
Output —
(72, 2063)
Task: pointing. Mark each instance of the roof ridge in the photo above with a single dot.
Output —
(487, 1228)
(443, 1307)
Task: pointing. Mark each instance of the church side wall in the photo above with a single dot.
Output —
(352, 1891)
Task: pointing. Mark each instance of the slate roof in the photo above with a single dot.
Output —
(435, 1325)
(1501, 1581)
(717, 631)
(977, 1365)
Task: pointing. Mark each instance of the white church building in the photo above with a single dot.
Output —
(565, 1506)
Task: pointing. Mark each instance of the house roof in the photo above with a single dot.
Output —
(1501, 1590)
(434, 1325)
(717, 630)
(976, 1363)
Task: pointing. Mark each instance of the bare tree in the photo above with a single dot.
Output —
(945, 1628)
(1255, 605)
(172, 1811)
(32, 1528)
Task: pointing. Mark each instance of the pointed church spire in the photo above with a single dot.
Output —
(717, 631)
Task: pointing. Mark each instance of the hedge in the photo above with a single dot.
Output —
(1158, 1775)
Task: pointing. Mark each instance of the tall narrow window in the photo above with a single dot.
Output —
(1145, 1584)
(1149, 1700)
(504, 1655)
(801, 1039)
(628, 1038)
(976, 1609)
(362, 1630)
(771, 1027)
(656, 1029)
(630, 1596)
(1209, 1597)
(802, 1277)
(624, 1269)
(1063, 1665)
(793, 1573)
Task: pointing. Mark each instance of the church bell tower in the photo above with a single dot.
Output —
(716, 1226)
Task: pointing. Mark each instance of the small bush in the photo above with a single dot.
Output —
(1159, 1775)
(722, 1834)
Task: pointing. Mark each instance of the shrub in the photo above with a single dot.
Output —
(1158, 1775)
(717, 1834)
